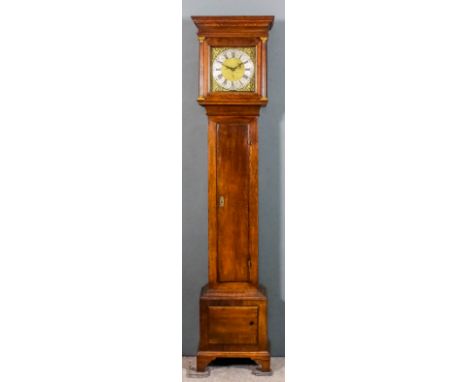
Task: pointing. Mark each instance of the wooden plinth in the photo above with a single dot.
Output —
(233, 325)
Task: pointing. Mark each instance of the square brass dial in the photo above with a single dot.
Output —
(233, 69)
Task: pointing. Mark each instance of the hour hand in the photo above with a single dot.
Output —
(229, 67)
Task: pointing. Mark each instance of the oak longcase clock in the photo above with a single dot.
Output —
(233, 88)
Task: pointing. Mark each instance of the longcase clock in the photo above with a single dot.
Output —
(233, 88)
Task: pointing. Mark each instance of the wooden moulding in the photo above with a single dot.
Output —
(214, 99)
(216, 294)
(233, 25)
(232, 110)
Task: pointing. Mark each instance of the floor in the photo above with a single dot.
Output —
(237, 371)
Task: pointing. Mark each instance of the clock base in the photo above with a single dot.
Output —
(262, 358)
(233, 324)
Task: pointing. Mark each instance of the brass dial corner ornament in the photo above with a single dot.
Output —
(233, 69)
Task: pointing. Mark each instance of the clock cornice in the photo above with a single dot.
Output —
(229, 25)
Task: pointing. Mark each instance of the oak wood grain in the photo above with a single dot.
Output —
(233, 306)
(232, 181)
(233, 325)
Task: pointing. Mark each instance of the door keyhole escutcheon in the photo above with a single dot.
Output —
(221, 201)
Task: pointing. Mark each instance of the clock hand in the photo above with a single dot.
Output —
(239, 65)
(229, 67)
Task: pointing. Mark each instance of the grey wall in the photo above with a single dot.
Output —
(194, 171)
